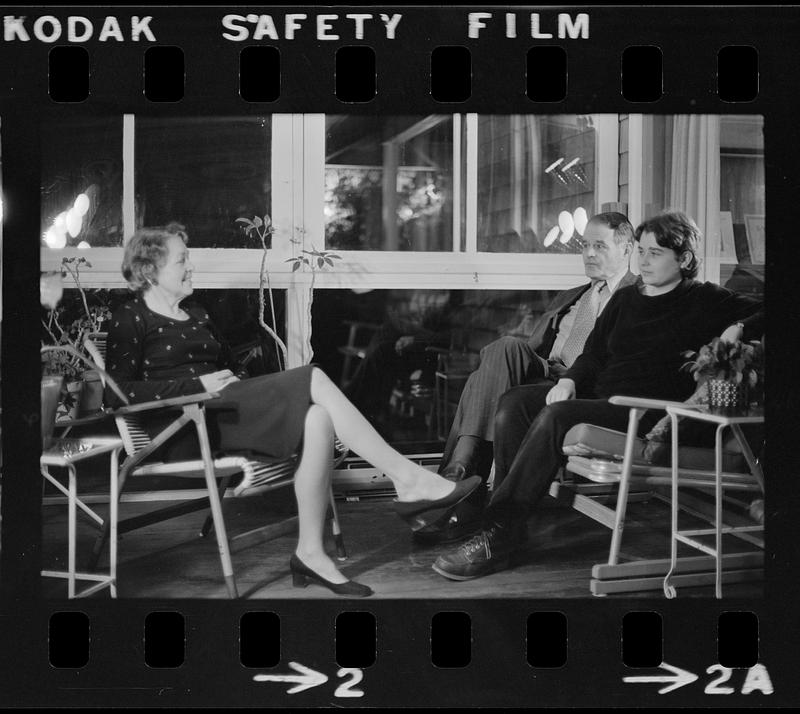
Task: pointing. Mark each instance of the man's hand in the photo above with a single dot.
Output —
(403, 343)
(563, 390)
(216, 381)
(557, 369)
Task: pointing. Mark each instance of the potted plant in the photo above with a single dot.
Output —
(66, 326)
(730, 370)
(262, 229)
(314, 260)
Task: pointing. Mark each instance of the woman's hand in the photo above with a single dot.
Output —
(215, 381)
(732, 333)
(563, 390)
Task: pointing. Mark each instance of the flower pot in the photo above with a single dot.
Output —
(726, 395)
(90, 400)
(72, 402)
(51, 394)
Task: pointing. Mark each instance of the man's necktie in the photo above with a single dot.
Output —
(585, 317)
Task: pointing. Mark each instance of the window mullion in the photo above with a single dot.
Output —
(472, 184)
(128, 177)
(456, 183)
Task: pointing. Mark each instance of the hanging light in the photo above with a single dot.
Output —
(567, 226)
(83, 245)
(557, 173)
(550, 238)
(580, 219)
(575, 169)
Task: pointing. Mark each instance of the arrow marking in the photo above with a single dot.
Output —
(678, 678)
(306, 678)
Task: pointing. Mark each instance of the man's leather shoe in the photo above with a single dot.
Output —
(456, 523)
(487, 552)
(450, 529)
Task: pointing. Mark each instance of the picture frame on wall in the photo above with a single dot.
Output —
(754, 228)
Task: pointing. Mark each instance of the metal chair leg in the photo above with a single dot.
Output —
(196, 414)
(624, 484)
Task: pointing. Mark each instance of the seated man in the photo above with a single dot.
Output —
(555, 343)
(637, 348)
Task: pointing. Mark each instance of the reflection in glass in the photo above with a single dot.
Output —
(536, 178)
(204, 173)
(403, 355)
(82, 183)
(388, 183)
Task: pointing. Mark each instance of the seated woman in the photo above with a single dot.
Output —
(157, 350)
(635, 349)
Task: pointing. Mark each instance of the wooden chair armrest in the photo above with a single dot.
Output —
(438, 350)
(642, 403)
(90, 419)
(166, 403)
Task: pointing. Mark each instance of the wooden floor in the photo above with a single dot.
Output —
(169, 560)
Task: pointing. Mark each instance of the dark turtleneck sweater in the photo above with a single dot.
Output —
(637, 345)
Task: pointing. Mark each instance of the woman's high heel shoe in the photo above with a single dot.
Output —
(301, 574)
(412, 511)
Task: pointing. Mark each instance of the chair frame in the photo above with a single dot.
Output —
(615, 577)
(259, 476)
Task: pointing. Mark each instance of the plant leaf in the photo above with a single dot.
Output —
(296, 266)
(258, 222)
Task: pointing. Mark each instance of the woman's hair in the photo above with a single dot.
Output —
(676, 231)
(146, 252)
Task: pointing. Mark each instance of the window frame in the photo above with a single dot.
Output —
(297, 172)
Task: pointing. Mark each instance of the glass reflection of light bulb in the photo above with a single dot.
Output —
(81, 204)
(550, 238)
(580, 219)
(567, 226)
(83, 245)
(74, 222)
(55, 239)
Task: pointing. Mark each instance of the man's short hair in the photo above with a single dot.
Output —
(619, 223)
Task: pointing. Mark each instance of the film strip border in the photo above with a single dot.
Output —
(466, 654)
(356, 74)
(639, 59)
(689, 43)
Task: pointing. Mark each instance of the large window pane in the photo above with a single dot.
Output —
(403, 355)
(536, 182)
(204, 173)
(389, 183)
(82, 183)
(742, 206)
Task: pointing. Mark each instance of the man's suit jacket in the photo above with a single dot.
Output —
(546, 329)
